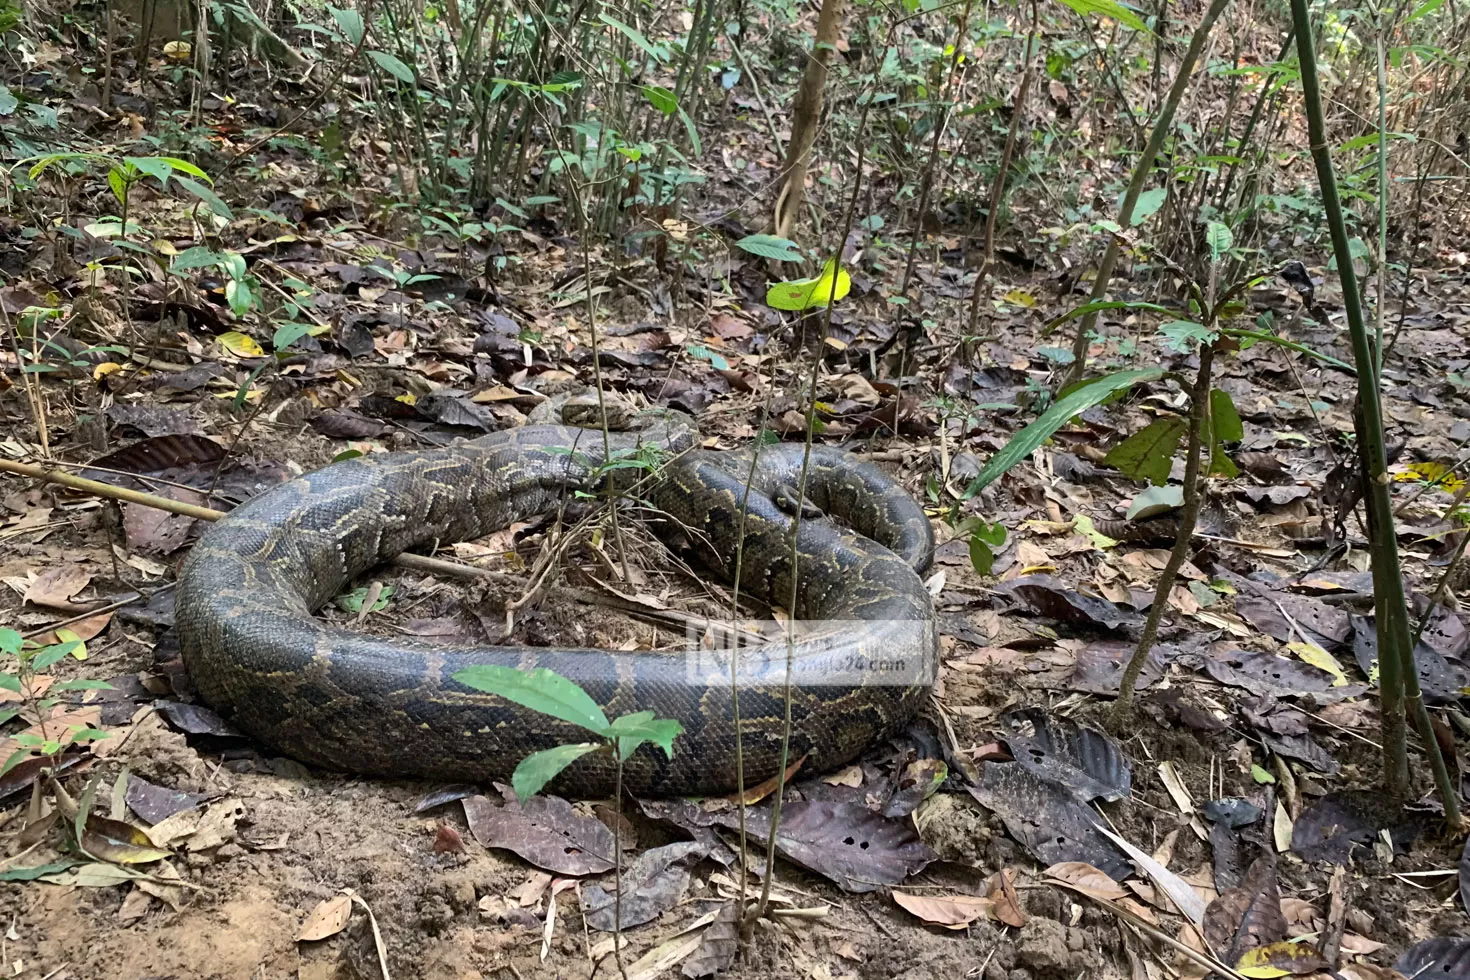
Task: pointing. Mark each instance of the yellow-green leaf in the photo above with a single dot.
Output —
(240, 345)
(803, 294)
(1316, 656)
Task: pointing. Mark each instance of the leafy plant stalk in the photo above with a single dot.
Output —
(1163, 124)
(1199, 411)
(1398, 675)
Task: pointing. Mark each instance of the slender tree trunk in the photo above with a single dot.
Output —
(805, 113)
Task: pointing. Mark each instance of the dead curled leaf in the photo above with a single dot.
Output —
(950, 911)
(327, 919)
(1088, 880)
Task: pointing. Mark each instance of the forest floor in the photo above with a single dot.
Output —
(994, 871)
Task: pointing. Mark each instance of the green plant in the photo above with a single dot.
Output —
(24, 663)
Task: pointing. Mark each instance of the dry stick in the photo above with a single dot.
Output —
(419, 563)
(926, 185)
(1162, 127)
(1188, 516)
(997, 190)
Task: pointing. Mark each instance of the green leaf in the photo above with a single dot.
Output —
(661, 99)
(210, 198)
(1261, 775)
(702, 352)
(288, 333)
(1423, 10)
(81, 684)
(1147, 204)
(633, 730)
(804, 294)
(692, 132)
(10, 641)
(1185, 335)
(119, 185)
(392, 66)
(1155, 501)
(1149, 453)
(350, 21)
(1219, 238)
(985, 540)
(156, 167)
(49, 655)
(771, 247)
(1107, 8)
(1225, 426)
(15, 759)
(540, 690)
(35, 871)
(10, 682)
(634, 35)
(8, 713)
(9, 103)
(540, 768)
(197, 257)
(1080, 399)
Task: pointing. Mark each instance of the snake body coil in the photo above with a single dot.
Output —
(357, 703)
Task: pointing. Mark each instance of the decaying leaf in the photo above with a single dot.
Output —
(949, 911)
(327, 919)
(545, 831)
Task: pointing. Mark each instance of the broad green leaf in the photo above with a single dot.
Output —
(288, 333)
(50, 655)
(804, 294)
(1228, 427)
(1080, 399)
(1107, 8)
(10, 641)
(119, 185)
(634, 35)
(1423, 10)
(985, 540)
(1155, 501)
(1084, 526)
(350, 21)
(195, 257)
(771, 247)
(10, 682)
(1147, 204)
(9, 103)
(540, 768)
(156, 167)
(540, 690)
(661, 99)
(1219, 238)
(210, 198)
(392, 66)
(1261, 775)
(1149, 453)
(1185, 335)
(633, 730)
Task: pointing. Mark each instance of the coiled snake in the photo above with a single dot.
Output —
(351, 702)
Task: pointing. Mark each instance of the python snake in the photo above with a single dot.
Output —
(347, 701)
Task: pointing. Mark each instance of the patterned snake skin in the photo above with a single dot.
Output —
(356, 703)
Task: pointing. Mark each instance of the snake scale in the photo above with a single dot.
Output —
(351, 702)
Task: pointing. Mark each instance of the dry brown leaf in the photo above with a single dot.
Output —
(56, 586)
(327, 919)
(1002, 892)
(1087, 880)
(851, 776)
(949, 911)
